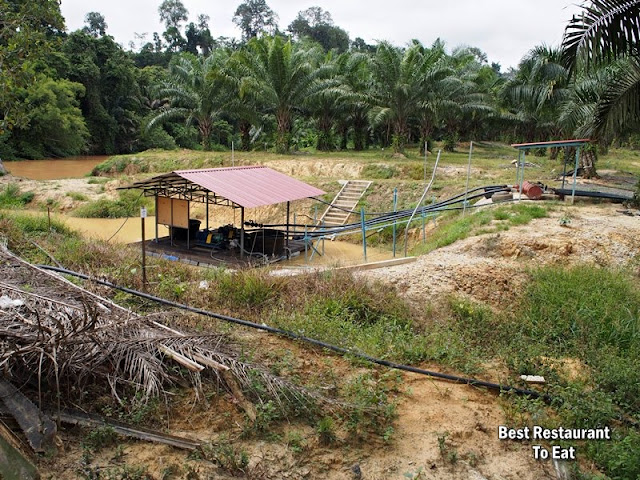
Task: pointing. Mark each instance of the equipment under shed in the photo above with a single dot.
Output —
(235, 187)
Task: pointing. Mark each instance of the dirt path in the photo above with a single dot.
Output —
(487, 268)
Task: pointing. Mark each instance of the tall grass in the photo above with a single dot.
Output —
(585, 313)
(127, 204)
(12, 197)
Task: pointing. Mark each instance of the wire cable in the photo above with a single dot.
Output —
(318, 343)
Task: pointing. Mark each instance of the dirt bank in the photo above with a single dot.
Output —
(488, 268)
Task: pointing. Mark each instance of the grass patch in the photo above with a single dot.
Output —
(12, 197)
(341, 309)
(127, 205)
(454, 227)
(585, 314)
(378, 171)
(77, 196)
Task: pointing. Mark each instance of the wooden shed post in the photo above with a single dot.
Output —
(156, 200)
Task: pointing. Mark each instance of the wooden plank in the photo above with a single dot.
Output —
(38, 427)
(180, 216)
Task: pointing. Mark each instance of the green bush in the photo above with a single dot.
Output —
(127, 205)
(12, 197)
(378, 171)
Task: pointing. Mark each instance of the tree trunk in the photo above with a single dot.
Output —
(205, 132)
(588, 159)
(325, 142)
(283, 140)
(400, 137)
(245, 137)
(359, 134)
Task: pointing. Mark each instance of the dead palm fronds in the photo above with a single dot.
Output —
(61, 337)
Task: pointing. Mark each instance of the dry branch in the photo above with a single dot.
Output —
(67, 338)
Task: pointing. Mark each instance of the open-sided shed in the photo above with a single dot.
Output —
(236, 187)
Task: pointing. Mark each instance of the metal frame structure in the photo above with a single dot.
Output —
(175, 185)
(523, 147)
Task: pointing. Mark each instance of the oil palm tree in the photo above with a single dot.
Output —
(607, 30)
(355, 76)
(195, 91)
(463, 98)
(282, 78)
(329, 103)
(439, 82)
(397, 91)
(537, 92)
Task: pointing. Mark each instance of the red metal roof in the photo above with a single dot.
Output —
(249, 187)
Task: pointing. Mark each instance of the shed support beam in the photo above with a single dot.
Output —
(287, 239)
(241, 232)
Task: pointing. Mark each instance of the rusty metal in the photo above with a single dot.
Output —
(532, 190)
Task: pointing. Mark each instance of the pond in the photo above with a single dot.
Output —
(54, 168)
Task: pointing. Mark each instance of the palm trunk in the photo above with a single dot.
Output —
(324, 139)
(400, 136)
(245, 129)
(204, 127)
(360, 136)
(283, 140)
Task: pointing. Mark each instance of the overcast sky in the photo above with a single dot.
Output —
(504, 29)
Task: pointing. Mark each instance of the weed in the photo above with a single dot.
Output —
(12, 197)
(326, 431)
(295, 441)
(227, 456)
(371, 410)
(77, 196)
(442, 444)
(98, 180)
(378, 171)
(419, 474)
(127, 205)
(100, 438)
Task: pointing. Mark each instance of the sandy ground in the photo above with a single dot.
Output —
(443, 430)
(438, 422)
(488, 267)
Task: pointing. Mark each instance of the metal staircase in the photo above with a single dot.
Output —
(346, 200)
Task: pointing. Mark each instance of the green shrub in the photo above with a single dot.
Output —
(99, 438)
(77, 196)
(249, 289)
(326, 431)
(378, 171)
(127, 205)
(12, 197)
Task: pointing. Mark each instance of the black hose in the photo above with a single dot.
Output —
(312, 341)
(443, 205)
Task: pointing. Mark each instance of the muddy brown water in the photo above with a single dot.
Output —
(54, 168)
(106, 228)
(336, 254)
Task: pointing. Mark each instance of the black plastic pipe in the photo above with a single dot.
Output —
(407, 368)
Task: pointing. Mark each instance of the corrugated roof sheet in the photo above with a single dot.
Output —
(249, 187)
